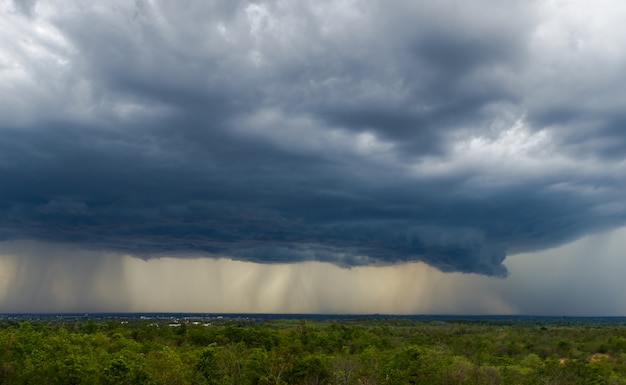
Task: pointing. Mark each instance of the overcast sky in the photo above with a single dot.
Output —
(334, 156)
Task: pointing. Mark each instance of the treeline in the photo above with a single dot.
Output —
(307, 352)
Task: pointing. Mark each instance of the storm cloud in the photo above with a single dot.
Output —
(349, 132)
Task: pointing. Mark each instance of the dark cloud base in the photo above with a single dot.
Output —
(264, 205)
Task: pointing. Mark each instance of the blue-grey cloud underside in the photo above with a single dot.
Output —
(348, 132)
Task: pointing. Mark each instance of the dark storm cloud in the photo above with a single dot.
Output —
(349, 132)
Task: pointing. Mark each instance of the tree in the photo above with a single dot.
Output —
(206, 369)
(311, 370)
(118, 372)
(166, 367)
(345, 368)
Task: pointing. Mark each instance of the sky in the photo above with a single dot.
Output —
(348, 156)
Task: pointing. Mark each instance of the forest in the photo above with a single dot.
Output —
(291, 351)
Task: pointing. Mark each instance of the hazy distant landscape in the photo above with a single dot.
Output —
(266, 317)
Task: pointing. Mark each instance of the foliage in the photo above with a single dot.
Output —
(279, 352)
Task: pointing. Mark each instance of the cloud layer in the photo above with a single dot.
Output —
(348, 132)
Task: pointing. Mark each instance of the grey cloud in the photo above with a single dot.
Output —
(282, 132)
(26, 7)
